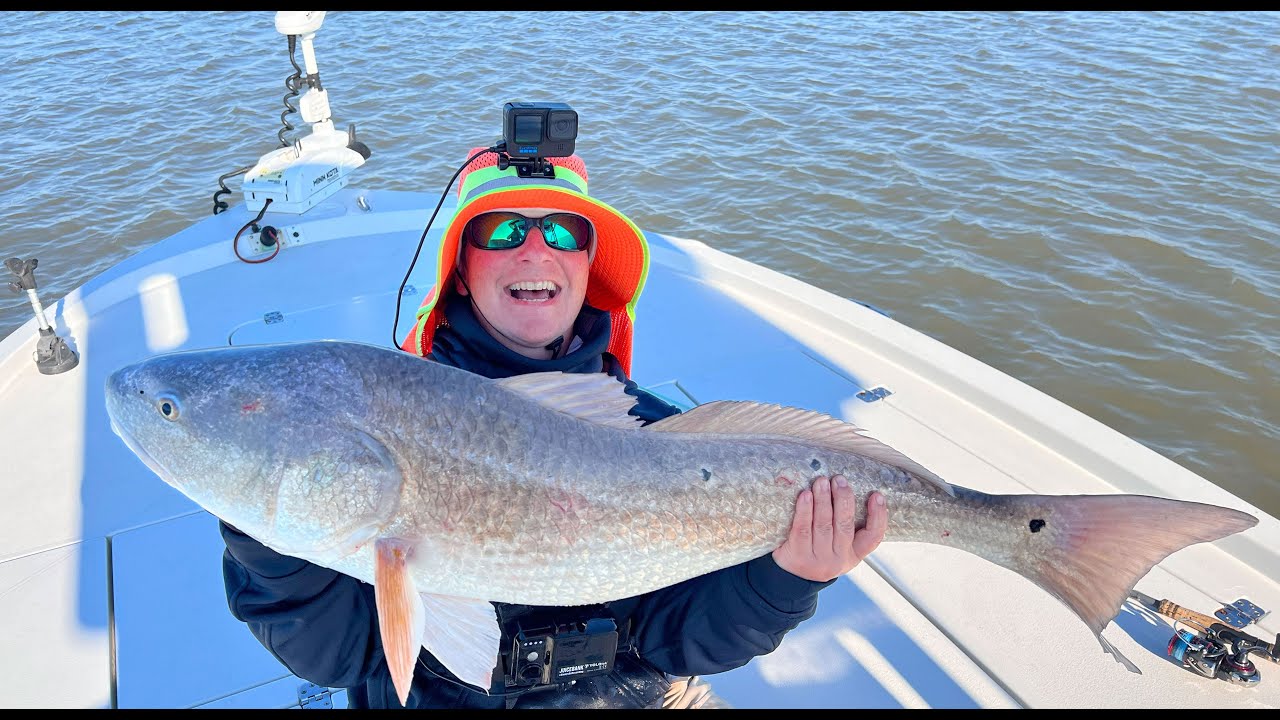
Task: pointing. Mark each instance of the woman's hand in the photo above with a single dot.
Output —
(823, 543)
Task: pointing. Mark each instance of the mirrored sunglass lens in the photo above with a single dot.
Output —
(566, 232)
(509, 233)
(497, 231)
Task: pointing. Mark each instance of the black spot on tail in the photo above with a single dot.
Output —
(1036, 525)
(706, 474)
(816, 465)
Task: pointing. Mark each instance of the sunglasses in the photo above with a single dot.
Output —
(506, 230)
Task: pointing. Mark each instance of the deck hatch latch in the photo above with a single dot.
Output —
(874, 394)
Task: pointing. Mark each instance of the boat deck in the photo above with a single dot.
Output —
(111, 590)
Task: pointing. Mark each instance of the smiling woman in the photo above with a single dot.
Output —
(526, 294)
(536, 288)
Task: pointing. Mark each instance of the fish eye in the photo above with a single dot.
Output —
(168, 407)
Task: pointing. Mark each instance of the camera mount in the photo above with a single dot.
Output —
(533, 132)
(525, 167)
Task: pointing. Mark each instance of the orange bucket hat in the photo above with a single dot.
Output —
(620, 259)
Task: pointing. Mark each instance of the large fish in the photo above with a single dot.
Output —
(447, 490)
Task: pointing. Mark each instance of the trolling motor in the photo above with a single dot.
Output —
(52, 355)
(297, 177)
(1214, 649)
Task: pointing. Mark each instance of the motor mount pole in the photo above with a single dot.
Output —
(52, 355)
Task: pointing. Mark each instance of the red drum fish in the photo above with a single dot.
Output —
(447, 490)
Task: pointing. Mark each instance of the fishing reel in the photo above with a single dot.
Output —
(1217, 652)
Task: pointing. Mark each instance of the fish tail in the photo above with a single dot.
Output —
(1101, 545)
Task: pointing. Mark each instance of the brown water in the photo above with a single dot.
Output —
(1089, 202)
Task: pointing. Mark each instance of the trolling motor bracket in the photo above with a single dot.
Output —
(298, 177)
(52, 354)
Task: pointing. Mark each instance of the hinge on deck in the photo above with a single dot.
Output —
(273, 317)
(1240, 613)
(873, 394)
(315, 697)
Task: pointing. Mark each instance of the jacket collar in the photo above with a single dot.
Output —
(463, 342)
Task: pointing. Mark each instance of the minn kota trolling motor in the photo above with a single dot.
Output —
(314, 166)
(305, 170)
(52, 355)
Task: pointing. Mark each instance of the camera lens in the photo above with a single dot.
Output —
(531, 672)
(563, 125)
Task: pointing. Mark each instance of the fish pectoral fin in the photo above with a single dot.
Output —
(400, 612)
(744, 417)
(464, 636)
(594, 397)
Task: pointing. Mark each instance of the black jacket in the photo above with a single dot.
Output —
(323, 625)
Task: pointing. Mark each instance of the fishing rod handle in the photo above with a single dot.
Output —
(1177, 612)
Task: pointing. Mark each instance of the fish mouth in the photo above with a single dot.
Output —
(117, 397)
(141, 452)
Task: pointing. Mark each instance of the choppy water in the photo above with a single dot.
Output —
(1087, 201)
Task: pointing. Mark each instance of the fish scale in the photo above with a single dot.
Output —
(448, 491)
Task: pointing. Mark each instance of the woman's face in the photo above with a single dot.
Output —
(530, 294)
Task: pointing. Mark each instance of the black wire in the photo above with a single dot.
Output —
(218, 205)
(291, 83)
(235, 242)
(395, 342)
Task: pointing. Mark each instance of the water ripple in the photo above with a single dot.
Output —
(1086, 201)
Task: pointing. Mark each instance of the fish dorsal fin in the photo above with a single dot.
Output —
(740, 417)
(595, 397)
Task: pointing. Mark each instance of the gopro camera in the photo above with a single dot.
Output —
(539, 130)
(561, 653)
